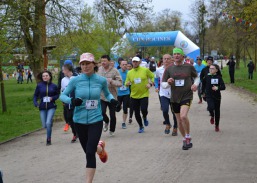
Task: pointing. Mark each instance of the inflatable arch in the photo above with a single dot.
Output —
(148, 39)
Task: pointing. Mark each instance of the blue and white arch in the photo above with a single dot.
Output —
(149, 39)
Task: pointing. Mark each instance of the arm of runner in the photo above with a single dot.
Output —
(117, 81)
(36, 95)
(106, 91)
(128, 82)
(222, 84)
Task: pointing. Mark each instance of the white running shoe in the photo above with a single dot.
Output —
(111, 134)
(106, 127)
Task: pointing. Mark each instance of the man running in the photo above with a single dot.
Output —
(165, 95)
(138, 78)
(123, 92)
(114, 80)
(179, 77)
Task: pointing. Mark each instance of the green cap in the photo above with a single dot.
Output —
(178, 50)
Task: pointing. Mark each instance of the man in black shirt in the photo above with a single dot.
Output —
(231, 67)
(152, 65)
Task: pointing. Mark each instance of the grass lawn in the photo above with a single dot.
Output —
(21, 117)
(241, 78)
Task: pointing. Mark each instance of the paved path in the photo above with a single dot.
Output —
(229, 156)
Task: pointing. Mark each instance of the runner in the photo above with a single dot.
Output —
(123, 92)
(138, 78)
(212, 85)
(165, 96)
(48, 93)
(199, 67)
(179, 76)
(114, 80)
(68, 109)
(88, 117)
(61, 75)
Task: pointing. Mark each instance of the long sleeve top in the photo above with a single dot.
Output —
(87, 88)
(47, 93)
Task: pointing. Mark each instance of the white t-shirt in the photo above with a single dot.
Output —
(163, 92)
(65, 82)
(144, 64)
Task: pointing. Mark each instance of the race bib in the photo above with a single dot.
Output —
(123, 88)
(179, 82)
(214, 81)
(91, 104)
(47, 99)
(137, 80)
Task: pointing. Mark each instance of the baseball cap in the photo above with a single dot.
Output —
(87, 57)
(136, 59)
(210, 58)
(68, 62)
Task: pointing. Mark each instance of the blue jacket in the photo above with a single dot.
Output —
(87, 88)
(45, 89)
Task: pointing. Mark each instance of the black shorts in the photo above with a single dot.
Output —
(176, 106)
(125, 102)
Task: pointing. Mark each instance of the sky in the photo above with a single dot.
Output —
(158, 5)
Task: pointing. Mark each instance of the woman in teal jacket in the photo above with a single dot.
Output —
(87, 116)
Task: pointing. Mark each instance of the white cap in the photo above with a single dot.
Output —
(136, 59)
(152, 58)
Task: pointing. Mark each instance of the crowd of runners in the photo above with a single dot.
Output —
(87, 95)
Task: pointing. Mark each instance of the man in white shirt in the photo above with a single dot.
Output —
(165, 95)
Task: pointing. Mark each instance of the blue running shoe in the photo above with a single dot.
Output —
(141, 130)
(146, 123)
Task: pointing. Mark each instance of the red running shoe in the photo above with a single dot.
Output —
(212, 120)
(217, 129)
(103, 155)
(66, 127)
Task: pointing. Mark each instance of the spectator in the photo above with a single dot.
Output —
(251, 67)
(231, 64)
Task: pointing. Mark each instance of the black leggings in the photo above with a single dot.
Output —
(214, 109)
(112, 113)
(68, 116)
(140, 104)
(124, 100)
(130, 108)
(89, 136)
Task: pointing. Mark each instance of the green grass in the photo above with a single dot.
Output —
(241, 78)
(21, 116)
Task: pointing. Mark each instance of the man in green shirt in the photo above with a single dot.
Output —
(179, 77)
(140, 79)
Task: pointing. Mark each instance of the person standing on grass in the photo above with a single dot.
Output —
(251, 67)
(114, 80)
(60, 77)
(231, 68)
(123, 92)
(88, 118)
(29, 76)
(212, 85)
(47, 92)
(68, 109)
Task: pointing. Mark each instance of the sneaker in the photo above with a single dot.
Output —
(189, 143)
(66, 127)
(217, 129)
(175, 132)
(74, 139)
(212, 120)
(184, 147)
(123, 125)
(167, 129)
(103, 155)
(130, 120)
(146, 123)
(106, 127)
(141, 130)
(111, 134)
(48, 142)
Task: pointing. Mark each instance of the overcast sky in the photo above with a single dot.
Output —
(183, 6)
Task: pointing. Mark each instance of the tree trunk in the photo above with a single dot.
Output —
(4, 107)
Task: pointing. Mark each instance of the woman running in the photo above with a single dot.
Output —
(212, 85)
(48, 93)
(88, 117)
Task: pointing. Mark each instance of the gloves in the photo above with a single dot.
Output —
(116, 104)
(76, 101)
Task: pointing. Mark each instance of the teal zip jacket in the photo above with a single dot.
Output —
(89, 89)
